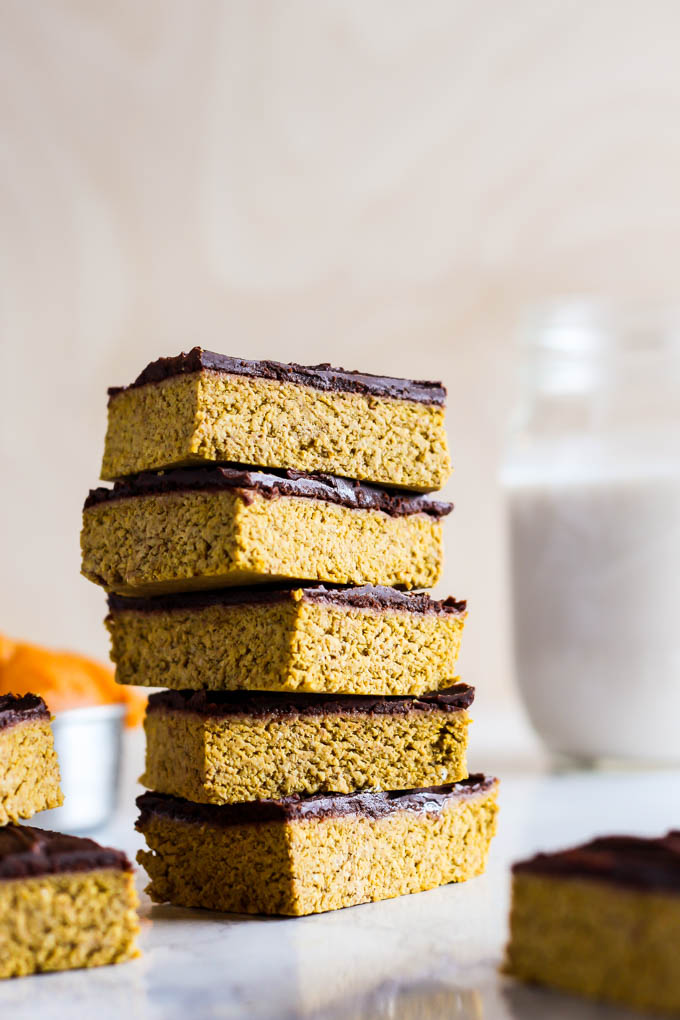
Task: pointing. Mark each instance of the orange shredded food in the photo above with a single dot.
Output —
(64, 679)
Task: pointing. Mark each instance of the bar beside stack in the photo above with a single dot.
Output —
(310, 750)
(65, 901)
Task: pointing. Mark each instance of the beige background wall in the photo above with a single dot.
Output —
(378, 183)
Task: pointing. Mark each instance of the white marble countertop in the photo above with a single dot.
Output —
(431, 955)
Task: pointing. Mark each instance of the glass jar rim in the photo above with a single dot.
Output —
(597, 327)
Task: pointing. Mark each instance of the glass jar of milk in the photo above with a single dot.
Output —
(592, 485)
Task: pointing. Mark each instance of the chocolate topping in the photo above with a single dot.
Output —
(319, 377)
(379, 597)
(26, 852)
(19, 708)
(431, 800)
(367, 597)
(271, 485)
(265, 703)
(635, 861)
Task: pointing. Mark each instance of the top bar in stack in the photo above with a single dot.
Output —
(202, 408)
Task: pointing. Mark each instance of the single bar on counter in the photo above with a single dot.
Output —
(369, 640)
(29, 770)
(210, 527)
(601, 920)
(202, 407)
(306, 855)
(65, 902)
(224, 748)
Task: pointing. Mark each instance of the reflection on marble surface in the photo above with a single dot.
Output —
(524, 1002)
(432, 955)
(411, 1002)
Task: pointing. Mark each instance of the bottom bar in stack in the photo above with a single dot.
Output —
(305, 855)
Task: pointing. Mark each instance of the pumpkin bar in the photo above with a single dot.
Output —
(224, 748)
(201, 407)
(601, 920)
(305, 855)
(196, 528)
(65, 902)
(367, 640)
(29, 770)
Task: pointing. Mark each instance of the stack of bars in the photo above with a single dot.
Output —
(65, 901)
(264, 524)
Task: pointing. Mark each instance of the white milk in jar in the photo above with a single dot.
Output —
(592, 484)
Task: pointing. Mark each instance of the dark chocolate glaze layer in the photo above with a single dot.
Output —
(20, 708)
(261, 704)
(320, 377)
(26, 852)
(379, 597)
(430, 800)
(635, 861)
(271, 485)
(368, 596)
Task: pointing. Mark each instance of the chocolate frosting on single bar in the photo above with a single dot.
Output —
(636, 861)
(261, 704)
(271, 485)
(429, 800)
(26, 852)
(368, 596)
(320, 377)
(19, 708)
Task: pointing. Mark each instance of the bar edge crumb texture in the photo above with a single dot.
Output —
(214, 527)
(29, 779)
(368, 640)
(202, 407)
(601, 921)
(55, 892)
(227, 748)
(308, 855)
